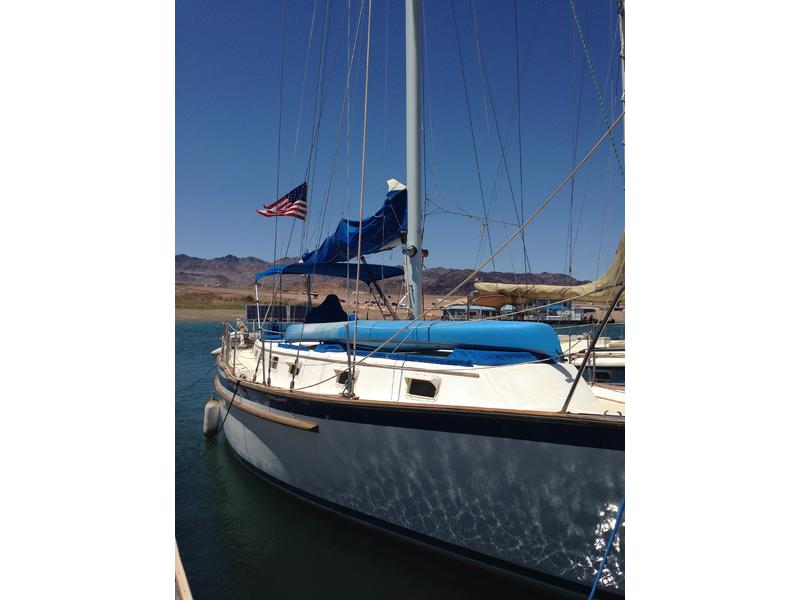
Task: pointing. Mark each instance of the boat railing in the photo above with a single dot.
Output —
(232, 339)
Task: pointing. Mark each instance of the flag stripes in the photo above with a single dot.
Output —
(293, 204)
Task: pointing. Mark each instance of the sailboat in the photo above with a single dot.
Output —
(476, 438)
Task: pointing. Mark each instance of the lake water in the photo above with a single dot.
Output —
(240, 537)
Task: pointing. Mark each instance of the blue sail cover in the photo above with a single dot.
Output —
(527, 336)
(367, 274)
(379, 232)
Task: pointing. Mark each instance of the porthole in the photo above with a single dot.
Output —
(421, 387)
(274, 363)
(602, 376)
(343, 378)
(294, 370)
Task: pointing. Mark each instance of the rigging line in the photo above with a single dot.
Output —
(323, 224)
(345, 102)
(196, 381)
(596, 85)
(576, 230)
(432, 164)
(315, 138)
(326, 87)
(608, 80)
(322, 45)
(280, 122)
(511, 116)
(326, 21)
(443, 210)
(386, 93)
(303, 89)
(493, 197)
(513, 236)
(607, 195)
(311, 170)
(363, 162)
(299, 122)
(527, 265)
(487, 85)
(471, 126)
(346, 208)
(327, 81)
(604, 214)
(579, 102)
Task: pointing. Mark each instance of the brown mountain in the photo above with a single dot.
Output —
(234, 272)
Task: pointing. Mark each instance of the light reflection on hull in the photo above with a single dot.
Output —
(543, 507)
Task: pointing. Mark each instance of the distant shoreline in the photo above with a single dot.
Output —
(207, 314)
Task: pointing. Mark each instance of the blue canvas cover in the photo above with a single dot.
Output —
(379, 232)
(367, 274)
(538, 338)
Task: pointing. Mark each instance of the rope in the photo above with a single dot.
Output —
(443, 211)
(363, 162)
(579, 93)
(303, 89)
(608, 549)
(519, 136)
(596, 85)
(471, 129)
(216, 435)
(342, 111)
(196, 381)
(488, 89)
(280, 123)
(278, 161)
(319, 85)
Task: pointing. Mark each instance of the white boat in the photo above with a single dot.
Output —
(476, 438)
(476, 460)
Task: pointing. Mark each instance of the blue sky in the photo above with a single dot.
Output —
(227, 83)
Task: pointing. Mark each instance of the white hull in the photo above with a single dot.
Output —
(541, 509)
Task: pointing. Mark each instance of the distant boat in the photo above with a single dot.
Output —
(477, 438)
(607, 362)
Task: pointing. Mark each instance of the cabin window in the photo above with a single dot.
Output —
(343, 378)
(294, 369)
(602, 376)
(421, 387)
(274, 363)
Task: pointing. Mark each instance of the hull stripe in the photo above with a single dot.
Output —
(553, 430)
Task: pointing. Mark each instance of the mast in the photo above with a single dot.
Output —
(413, 248)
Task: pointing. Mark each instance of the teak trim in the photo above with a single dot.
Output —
(261, 413)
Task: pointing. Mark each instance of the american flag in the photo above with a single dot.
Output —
(292, 204)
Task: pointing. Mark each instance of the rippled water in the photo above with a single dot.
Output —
(240, 537)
